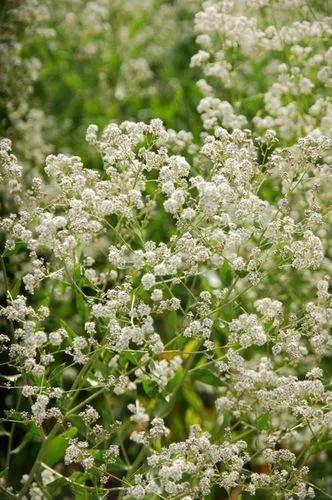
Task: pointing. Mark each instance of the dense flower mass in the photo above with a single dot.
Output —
(165, 314)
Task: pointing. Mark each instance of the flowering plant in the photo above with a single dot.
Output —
(166, 311)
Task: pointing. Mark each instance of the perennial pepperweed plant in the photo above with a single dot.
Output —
(165, 318)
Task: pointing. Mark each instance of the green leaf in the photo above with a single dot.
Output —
(55, 487)
(80, 490)
(56, 450)
(18, 247)
(226, 274)
(191, 418)
(163, 409)
(77, 273)
(192, 399)
(242, 274)
(15, 289)
(35, 431)
(126, 357)
(174, 380)
(79, 477)
(85, 494)
(72, 80)
(132, 357)
(78, 423)
(81, 307)
(150, 388)
(69, 330)
(206, 377)
(177, 426)
(321, 446)
(172, 321)
(57, 447)
(262, 421)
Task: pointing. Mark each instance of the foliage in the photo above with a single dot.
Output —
(165, 317)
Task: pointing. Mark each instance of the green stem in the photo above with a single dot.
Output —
(6, 283)
(7, 493)
(161, 413)
(12, 429)
(87, 400)
(36, 466)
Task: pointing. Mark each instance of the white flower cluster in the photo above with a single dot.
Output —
(166, 314)
(236, 37)
(247, 331)
(96, 31)
(88, 238)
(196, 456)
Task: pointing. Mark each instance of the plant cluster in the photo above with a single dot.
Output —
(166, 310)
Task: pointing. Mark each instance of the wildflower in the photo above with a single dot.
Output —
(148, 281)
(307, 253)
